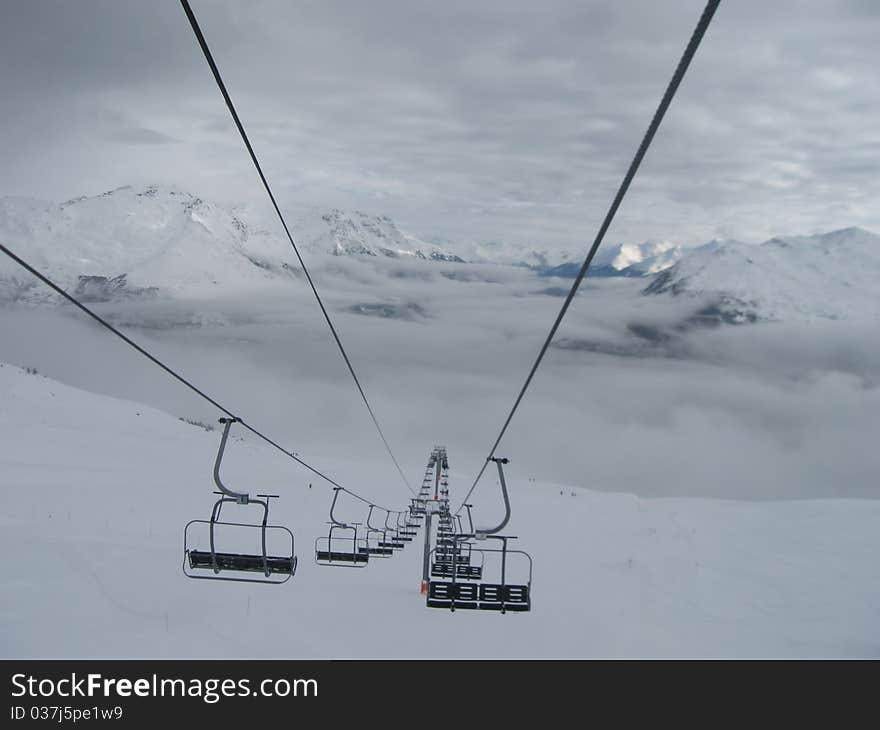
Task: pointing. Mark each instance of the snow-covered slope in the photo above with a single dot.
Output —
(97, 491)
(831, 276)
(130, 242)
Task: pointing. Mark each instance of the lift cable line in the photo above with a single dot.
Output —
(222, 86)
(690, 51)
(173, 373)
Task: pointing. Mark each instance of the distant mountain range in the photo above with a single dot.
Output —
(623, 259)
(827, 276)
(142, 242)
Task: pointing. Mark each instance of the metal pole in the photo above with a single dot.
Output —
(482, 533)
(240, 497)
(426, 559)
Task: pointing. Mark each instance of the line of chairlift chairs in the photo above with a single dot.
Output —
(457, 559)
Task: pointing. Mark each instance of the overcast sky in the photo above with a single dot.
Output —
(502, 120)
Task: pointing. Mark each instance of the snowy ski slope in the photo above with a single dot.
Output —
(97, 490)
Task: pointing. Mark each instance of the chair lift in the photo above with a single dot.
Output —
(501, 596)
(273, 568)
(391, 539)
(447, 551)
(458, 563)
(397, 534)
(346, 551)
(405, 530)
(413, 518)
(376, 539)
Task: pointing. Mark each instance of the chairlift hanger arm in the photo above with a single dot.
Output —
(482, 533)
(333, 519)
(240, 497)
(369, 515)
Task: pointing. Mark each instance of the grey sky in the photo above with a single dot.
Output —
(501, 120)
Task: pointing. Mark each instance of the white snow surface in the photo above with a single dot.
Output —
(97, 491)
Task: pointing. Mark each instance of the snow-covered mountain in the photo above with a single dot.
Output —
(509, 253)
(623, 259)
(132, 242)
(342, 234)
(136, 242)
(831, 276)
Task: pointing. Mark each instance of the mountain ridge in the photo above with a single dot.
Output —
(780, 278)
(143, 242)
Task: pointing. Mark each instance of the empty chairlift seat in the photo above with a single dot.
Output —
(271, 561)
(497, 597)
(463, 563)
(463, 572)
(341, 547)
(482, 596)
(452, 595)
(271, 557)
(373, 544)
(268, 565)
(340, 550)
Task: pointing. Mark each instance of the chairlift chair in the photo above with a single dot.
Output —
(450, 556)
(390, 539)
(417, 508)
(395, 529)
(405, 529)
(501, 596)
(489, 596)
(375, 539)
(458, 563)
(206, 562)
(346, 551)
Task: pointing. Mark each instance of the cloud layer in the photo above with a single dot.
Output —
(768, 411)
(488, 120)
